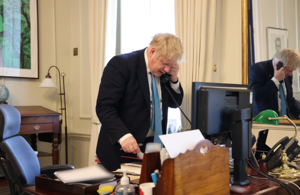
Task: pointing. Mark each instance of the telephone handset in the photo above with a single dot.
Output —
(279, 145)
(273, 158)
(165, 78)
(279, 65)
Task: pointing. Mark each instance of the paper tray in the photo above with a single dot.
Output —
(44, 183)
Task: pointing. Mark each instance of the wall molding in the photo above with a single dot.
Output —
(85, 116)
(79, 136)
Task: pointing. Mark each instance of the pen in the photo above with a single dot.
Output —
(154, 178)
(138, 145)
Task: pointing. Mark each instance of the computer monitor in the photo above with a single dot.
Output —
(212, 104)
(223, 113)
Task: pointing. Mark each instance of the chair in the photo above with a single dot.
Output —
(18, 160)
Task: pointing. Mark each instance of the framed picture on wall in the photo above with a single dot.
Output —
(298, 76)
(19, 39)
(277, 39)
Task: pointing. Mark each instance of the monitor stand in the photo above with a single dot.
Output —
(241, 144)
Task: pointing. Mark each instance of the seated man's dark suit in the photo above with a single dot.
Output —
(123, 105)
(265, 91)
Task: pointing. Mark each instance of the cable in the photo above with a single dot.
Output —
(177, 104)
(254, 176)
(287, 187)
(274, 179)
(270, 178)
(291, 183)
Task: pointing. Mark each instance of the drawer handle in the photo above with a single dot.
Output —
(36, 127)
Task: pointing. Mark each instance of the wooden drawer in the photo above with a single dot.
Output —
(33, 128)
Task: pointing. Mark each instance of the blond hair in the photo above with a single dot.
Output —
(167, 45)
(289, 57)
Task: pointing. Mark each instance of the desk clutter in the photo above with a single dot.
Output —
(158, 174)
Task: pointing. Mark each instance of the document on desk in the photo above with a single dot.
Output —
(95, 172)
(177, 143)
(131, 169)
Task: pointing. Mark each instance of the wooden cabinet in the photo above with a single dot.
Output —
(38, 119)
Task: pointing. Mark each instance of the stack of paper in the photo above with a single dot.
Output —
(95, 172)
(131, 169)
(177, 143)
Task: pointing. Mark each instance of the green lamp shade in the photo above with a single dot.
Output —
(263, 117)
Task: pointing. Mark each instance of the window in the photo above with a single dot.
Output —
(138, 22)
(141, 20)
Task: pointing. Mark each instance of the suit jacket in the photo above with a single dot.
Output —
(123, 105)
(265, 92)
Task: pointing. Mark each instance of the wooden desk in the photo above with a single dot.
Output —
(37, 119)
(47, 186)
(266, 186)
(258, 186)
(36, 191)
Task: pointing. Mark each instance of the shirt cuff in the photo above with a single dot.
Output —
(124, 137)
(175, 87)
(276, 82)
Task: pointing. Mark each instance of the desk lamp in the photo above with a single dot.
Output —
(48, 82)
(271, 117)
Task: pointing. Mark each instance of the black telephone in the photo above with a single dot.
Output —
(279, 65)
(165, 78)
(273, 157)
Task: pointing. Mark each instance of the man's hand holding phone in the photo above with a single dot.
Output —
(173, 72)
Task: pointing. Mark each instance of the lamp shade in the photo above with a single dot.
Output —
(47, 82)
(263, 117)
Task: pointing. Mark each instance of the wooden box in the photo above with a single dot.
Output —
(191, 172)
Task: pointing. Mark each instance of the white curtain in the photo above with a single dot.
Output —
(102, 36)
(195, 22)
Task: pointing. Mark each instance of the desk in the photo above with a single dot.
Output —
(36, 191)
(265, 186)
(37, 119)
(262, 187)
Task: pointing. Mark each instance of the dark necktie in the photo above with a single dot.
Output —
(282, 97)
(156, 112)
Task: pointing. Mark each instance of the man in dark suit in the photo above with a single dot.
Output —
(124, 103)
(264, 80)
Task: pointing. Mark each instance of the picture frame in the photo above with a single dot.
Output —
(298, 78)
(19, 39)
(277, 39)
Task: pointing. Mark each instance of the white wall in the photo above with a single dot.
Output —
(231, 70)
(228, 42)
(63, 25)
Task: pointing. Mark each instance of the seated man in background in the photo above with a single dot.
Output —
(265, 81)
(125, 98)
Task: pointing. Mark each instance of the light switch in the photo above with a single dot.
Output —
(75, 51)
